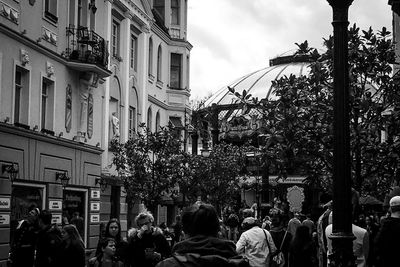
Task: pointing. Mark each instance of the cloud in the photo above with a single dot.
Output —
(234, 37)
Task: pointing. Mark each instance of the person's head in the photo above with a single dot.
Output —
(394, 204)
(108, 247)
(248, 213)
(45, 218)
(163, 225)
(33, 214)
(70, 233)
(113, 229)
(144, 221)
(201, 220)
(276, 220)
(249, 223)
(76, 214)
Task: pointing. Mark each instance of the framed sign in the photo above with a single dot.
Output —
(5, 202)
(55, 204)
(95, 206)
(4, 219)
(95, 194)
(57, 218)
(94, 218)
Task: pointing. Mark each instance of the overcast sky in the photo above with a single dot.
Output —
(232, 38)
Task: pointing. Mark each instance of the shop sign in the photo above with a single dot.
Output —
(95, 206)
(94, 218)
(4, 219)
(55, 204)
(56, 218)
(95, 194)
(5, 202)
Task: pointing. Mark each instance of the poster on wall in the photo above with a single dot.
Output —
(95, 206)
(56, 218)
(94, 218)
(90, 116)
(55, 204)
(4, 219)
(5, 202)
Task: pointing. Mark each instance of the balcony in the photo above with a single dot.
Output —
(86, 51)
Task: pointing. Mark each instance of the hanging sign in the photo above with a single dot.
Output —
(56, 218)
(95, 194)
(90, 116)
(4, 219)
(55, 204)
(68, 108)
(95, 206)
(94, 218)
(5, 202)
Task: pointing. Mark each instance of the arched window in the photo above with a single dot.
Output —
(159, 63)
(158, 121)
(151, 56)
(149, 119)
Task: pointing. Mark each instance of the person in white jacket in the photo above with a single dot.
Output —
(253, 244)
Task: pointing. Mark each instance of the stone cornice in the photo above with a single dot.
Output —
(155, 101)
(168, 40)
(11, 129)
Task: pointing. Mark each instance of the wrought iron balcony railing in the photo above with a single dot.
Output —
(86, 46)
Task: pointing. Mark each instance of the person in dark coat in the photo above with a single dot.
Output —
(48, 241)
(303, 252)
(72, 249)
(203, 248)
(113, 230)
(22, 250)
(147, 245)
(387, 239)
(106, 258)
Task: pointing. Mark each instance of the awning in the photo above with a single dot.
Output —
(273, 180)
(175, 122)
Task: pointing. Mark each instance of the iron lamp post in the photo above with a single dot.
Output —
(342, 236)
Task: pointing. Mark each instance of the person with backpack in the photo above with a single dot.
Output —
(48, 241)
(203, 247)
(282, 239)
(232, 222)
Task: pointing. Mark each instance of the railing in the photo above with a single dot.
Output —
(86, 46)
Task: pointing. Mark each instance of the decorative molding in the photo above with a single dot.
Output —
(49, 36)
(24, 57)
(49, 69)
(9, 12)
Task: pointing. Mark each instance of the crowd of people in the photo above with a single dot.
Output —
(199, 237)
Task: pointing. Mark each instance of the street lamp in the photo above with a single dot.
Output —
(342, 236)
(12, 171)
(63, 177)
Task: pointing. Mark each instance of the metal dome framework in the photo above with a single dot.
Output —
(222, 116)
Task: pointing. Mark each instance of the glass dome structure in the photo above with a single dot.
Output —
(259, 82)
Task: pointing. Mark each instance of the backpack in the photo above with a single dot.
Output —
(233, 220)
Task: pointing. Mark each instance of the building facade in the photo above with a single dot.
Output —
(73, 76)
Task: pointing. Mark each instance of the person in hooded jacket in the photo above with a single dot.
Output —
(203, 247)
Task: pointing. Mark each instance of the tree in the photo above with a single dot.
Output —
(147, 165)
(299, 121)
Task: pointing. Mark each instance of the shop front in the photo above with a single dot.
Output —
(51, 173)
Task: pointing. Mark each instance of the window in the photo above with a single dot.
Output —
(21, 95)
(46, 119)
(175, 12)
(18, 91)
(132, 122)
(159, 6)
(133, 53)
(74, 210)
(149, 119)
(159, 63)
(158, 121)
(150, 56)
(50, 10)
(115, 38)
(176, 67)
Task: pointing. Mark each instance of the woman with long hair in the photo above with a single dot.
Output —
(302, 249)
(113, 230)
(72, 251)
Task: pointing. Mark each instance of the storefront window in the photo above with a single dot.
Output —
(74, 210)
(22, 200)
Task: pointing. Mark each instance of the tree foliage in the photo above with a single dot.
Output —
(299, 120)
